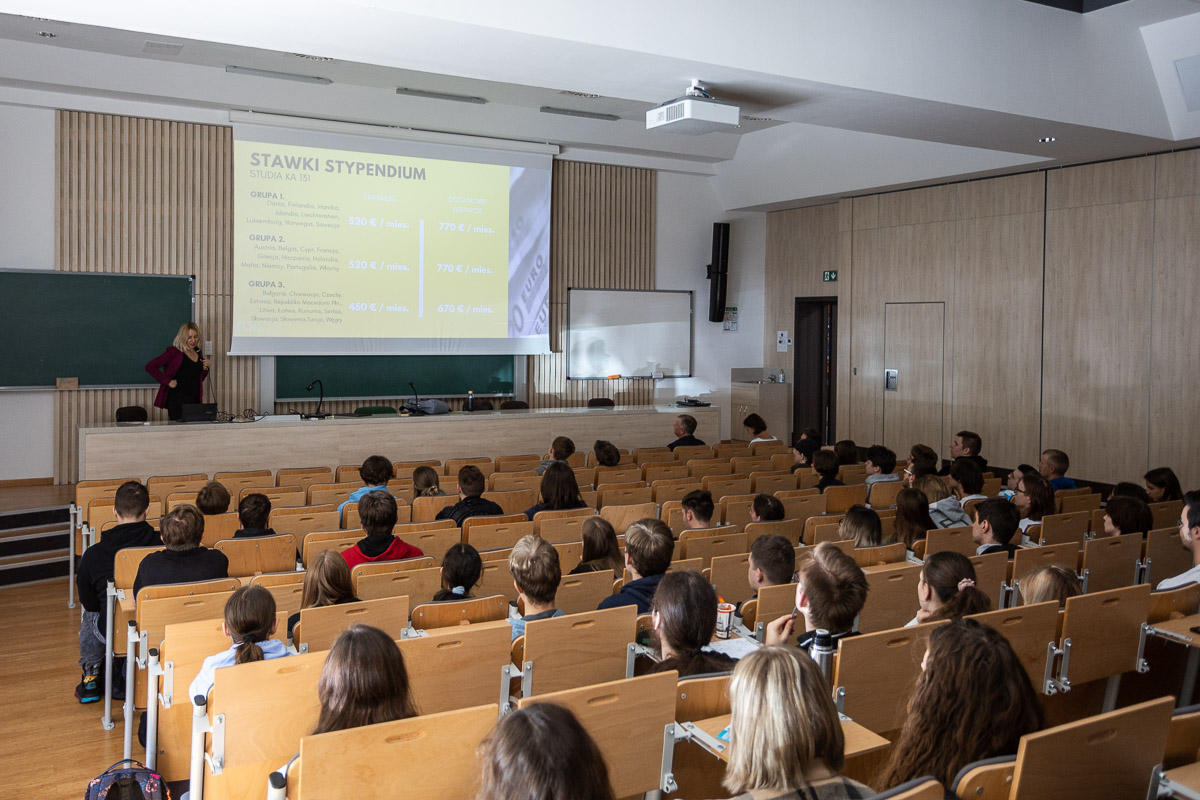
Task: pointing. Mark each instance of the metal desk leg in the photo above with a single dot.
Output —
(1189, 677)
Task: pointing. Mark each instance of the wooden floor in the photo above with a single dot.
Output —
(52, 745)
(19, 498)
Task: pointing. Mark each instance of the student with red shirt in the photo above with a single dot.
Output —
(377, 512)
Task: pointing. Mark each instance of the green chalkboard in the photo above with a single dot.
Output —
(97, 327)
(388, 376)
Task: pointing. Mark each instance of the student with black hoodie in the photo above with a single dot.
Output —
(96, 570)
(253, 513)
(648, 549)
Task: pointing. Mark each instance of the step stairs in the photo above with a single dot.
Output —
(34, 545)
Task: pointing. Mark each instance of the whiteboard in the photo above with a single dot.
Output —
(629, 333)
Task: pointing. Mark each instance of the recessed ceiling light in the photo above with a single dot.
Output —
(1047, 139)
(748, 118)
(456, 98)
(307, 57)
(283, 76)
(583, 95)
(570, 112)
(47, 34)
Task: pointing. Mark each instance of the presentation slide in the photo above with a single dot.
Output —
(373, 246)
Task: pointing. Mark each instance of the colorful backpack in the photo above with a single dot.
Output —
(134, 782)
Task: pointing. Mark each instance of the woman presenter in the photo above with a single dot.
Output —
(180, 371)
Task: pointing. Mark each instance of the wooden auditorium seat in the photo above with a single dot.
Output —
(319, 626)
(459, 612)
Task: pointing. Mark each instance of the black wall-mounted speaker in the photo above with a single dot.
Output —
(718, 272)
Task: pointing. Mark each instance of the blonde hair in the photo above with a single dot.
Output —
(783, 721)
(182, 335)
(934, 487)
(1051, 582)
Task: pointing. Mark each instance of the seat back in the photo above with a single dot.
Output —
(1112, 561)
(1166, 514)
(623, 494)
(1064, 528)
(219, 526)
(579, 649)
(126, 563)
(1080, 502)
(179, 499)
(259, 554)
(727, 574)
(790, 529)
(432, 541)
(319, 626)
(286, 587)
(418, 585)
(991, 571)
(1109, 755)
(490, 536)
(1030, 558)
(706, 547)
(458, 668)
(957, 540)
(497, 578)
(333, 493)
(583, 592)
(643, 455)
(1167, 603)
(811, 524)
(1165, 555)
(1104, 629)
(891, 600)
(280, 496)
(883, 495)
(236, 482)
(405, 469)
(163, 485)
(1029, 629)
(517, 463)
(878, 672)
(460, 612)
(723, 486)
(513, 501)
(701, 468)
(303, 476)
(666, 490)
(884, 554)
(838, 499)
(770, 484)
(453, 465)
(561, 526)
(686, 453)
(656, 471)
(425, 509)
(626, 718)
(327, 540)
(506, 482)
(622, 517)
(774, 602)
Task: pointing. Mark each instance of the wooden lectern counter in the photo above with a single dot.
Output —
(171, 448)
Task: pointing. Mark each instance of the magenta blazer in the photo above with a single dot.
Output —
(163, 368)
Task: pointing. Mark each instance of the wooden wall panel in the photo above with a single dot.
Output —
(1175, 361)
(602, 223)
(150, 197)
(1096, 352)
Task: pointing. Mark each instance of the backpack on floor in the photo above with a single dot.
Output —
(133, 782)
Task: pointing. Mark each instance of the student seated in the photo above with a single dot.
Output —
(1014, 478)
(1162, 485)
(683, 621)
(803, 450)
(973, 700)
(698, 509)
(1034, 499)
(363, 682)
(377, 513)
(847, 452)
(766, 508)
(862, 525)
(541, 751)
(824, 464)
(966, 444)
(1051, 582)
(601, 551)
(461, 570)
(375, 472)
(648, 549)
(830, 593)
(1189, 537)
(212, 499)
(946, 589)
(471, 502)
(912, 517)
(426, 482)
(1127, 515)
(606, 454)
(685, 433)
(249, 623)
(559, 490)
(561, 448)
(944, 509)
(326, 583)
(996, 523)
(786, 739)
(756, 426)
(536, 574)
(772, 562)
(922, 460)
(965, 481)
(1053, 467)
(881, 467)
(254, 513)
(185, 560)
(91, 580)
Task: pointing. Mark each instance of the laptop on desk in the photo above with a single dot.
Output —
(199, 412)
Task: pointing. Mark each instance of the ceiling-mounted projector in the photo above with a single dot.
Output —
(695, 113)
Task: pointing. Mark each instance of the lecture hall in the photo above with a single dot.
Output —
(534, 400)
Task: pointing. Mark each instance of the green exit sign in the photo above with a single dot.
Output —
(829, 275)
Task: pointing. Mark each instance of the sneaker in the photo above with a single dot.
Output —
(88, 690)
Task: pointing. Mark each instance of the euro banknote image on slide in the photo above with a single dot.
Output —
(347, 244)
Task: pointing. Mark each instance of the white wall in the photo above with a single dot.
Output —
(687, 208)
(27, 231)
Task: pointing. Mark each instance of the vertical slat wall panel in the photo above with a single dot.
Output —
(148, 197)
(602, 237)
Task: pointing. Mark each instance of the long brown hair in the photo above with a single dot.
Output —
(559, 488)
(687, 610)
(973, 701)
(425, 482)
(541, 751)
(327, 581)
(250, 619)
(951, 576)
(364, 681)
(600, 545)
(912, 516)
(1040, 494)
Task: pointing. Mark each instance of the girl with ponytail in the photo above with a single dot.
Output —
(947, 590)
(250, 624)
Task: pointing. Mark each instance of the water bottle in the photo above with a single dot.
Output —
(470, 401)
(822, 652)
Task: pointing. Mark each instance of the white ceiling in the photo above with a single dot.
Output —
(861, 94)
